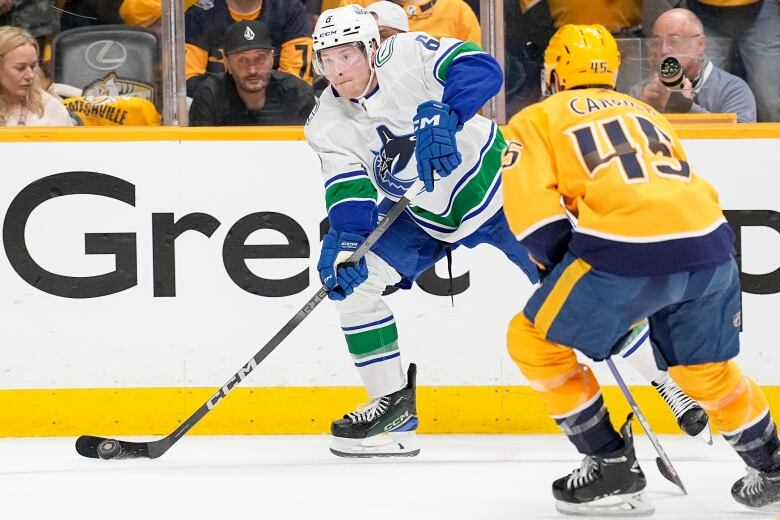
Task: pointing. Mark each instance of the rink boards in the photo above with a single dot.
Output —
(142, 268)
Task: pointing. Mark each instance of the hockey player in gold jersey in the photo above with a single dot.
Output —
(650, 241)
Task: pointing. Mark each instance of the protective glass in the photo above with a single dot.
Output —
(672, 44)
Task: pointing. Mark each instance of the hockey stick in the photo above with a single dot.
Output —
(104, 448)
(662, 461)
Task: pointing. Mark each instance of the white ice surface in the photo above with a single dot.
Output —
(296, 477)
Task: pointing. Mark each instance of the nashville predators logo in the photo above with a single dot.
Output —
(112, 86)
(391, 161)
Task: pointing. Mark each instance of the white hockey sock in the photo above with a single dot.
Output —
(384, 377)
(642, 359)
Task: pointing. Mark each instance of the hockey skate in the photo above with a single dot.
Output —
(605, 485)
(385, 427)
(759, 490)
(691, 417)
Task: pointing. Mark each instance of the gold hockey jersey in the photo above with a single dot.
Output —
(616, 167)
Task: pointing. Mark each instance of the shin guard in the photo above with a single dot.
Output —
(736, 405)
(569, 390)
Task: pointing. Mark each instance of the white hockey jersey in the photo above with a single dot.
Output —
(367, 149)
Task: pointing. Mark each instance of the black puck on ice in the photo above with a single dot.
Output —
(108, 449)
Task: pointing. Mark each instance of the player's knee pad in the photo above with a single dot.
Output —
(552, 370)
(732, 400)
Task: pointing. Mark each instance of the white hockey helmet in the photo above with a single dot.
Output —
(349, 24)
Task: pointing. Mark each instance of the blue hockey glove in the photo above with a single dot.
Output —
(435, 127)
(340, 280)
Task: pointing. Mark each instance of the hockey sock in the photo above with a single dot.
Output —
(590, 430)
(374, 350)
(641, 357)
(757, 443)
(737, 406)
(568, 389)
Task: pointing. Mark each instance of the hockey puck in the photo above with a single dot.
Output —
(108, 449)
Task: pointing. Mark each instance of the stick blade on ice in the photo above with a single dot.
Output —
(103, 448)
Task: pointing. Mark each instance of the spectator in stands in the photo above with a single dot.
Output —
(390, 17)
(37, 17)
(23, 101)
(146, 13)
(439, 18)
(84, 13)
(623, 18)
(250, 92)
(528, 27)
(678, 33)
(754, 26)
(206, 22)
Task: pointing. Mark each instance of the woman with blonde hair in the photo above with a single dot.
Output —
(23, 101)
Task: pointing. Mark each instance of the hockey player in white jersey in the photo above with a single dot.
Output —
(393, 113)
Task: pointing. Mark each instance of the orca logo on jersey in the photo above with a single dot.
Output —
(391, 161)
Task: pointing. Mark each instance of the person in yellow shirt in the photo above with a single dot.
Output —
(438, 18)
(146, 13)
(622, 18)
(599, 190)
(206, 22)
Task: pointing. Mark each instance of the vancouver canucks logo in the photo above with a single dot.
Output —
(391, 161)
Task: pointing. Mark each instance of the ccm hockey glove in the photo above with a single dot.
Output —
(436, 150)
(340, 279)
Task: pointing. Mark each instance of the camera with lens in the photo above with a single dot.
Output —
(671, 72)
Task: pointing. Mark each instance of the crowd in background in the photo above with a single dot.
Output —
(249, 62)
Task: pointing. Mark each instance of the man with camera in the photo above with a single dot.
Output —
(685, 80)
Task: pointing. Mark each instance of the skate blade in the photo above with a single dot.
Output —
(398, 444)
(705, 435)
(769, 508)
(630, 504)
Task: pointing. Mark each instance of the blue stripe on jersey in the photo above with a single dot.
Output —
(474, 213)
(377, 360)
(471, 172)
(441, 59)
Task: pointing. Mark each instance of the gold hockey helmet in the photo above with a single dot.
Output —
(581, 55)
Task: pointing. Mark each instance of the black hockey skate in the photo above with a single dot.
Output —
(605, 485)
(383, 428)
(690, 416)
(759, 490)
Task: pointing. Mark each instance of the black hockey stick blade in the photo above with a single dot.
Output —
(665, 471)
(103, 448)
(106, 449)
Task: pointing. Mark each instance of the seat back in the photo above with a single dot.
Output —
(109, 60)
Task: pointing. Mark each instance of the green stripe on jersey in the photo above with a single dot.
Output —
(441, 71)
(473, 193)
(376, 341)
(357, 188)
